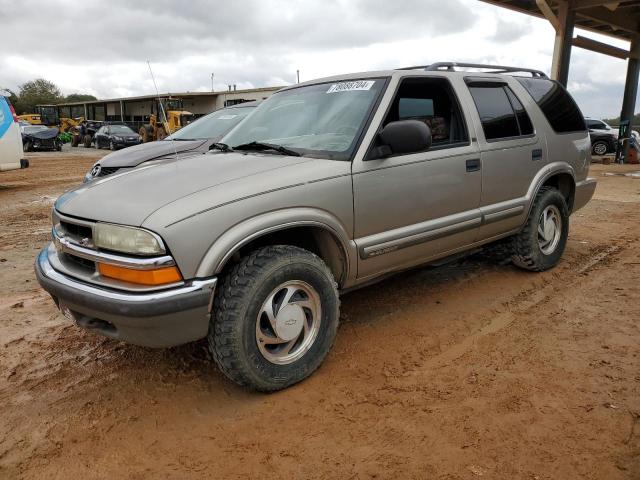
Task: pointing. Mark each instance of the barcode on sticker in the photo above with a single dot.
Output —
(350, 86)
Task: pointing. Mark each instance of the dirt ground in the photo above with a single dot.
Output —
(470, 370)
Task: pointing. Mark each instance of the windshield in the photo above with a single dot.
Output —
(121, 130)
(212, 126)
(322, 120)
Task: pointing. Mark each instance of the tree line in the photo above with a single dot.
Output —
(41, 92)
(616, 121)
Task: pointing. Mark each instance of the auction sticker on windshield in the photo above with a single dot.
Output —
(350, 86)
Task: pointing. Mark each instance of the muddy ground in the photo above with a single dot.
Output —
(470, 370)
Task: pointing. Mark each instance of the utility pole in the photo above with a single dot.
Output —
(212, 81)
(298, 75)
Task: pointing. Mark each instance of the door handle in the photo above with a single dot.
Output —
(536, 154)
(473, 165)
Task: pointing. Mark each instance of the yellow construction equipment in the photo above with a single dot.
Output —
(32, 118)
(176, 119)
(68, 124)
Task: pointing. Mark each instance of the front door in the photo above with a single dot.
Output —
(412, 207)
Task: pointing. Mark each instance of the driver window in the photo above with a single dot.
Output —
(432, 101)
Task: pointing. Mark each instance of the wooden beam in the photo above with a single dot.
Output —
(548, 13)
(599, 47)
(582, 4)
(619, 21)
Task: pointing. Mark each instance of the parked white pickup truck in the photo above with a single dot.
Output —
(10, 139)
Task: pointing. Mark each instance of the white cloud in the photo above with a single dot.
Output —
(102, 47)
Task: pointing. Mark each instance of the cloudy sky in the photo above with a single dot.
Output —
(101, 47)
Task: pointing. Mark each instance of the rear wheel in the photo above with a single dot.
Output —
(274, 319)
(540, 244)
(86, 141)
(75, 140)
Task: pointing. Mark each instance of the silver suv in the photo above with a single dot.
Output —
(329, 185)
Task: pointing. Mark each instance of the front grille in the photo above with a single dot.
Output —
(75, 231)
(81, 262)
(104, 171)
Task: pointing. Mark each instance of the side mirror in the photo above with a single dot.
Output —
(405, 136)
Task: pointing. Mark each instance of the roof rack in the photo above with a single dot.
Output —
(451, 67)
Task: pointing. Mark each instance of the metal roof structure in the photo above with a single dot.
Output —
(168, 95)
(619, 19)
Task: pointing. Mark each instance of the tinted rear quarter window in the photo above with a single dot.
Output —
(526, 128)
(561, 110)
(501, 113)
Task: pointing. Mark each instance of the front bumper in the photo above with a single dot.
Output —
(154, 319)
(126, 143)
(584, 192)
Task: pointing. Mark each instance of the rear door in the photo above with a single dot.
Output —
(512, 152)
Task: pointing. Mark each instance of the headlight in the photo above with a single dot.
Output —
(126, 239)
(117, 139)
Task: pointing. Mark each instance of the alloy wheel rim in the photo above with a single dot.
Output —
(549, 229)
(600, 149)
(288, 322)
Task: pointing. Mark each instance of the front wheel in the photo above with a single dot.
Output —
(27, 147)
(274, 319)
(540, 244)
(600, 148)
(112, 146)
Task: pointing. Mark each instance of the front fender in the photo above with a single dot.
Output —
(242, 233)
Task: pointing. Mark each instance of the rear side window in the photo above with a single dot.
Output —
(557, 105)
(526, 128)
(501, 113)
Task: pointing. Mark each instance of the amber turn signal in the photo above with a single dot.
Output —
(158, 276)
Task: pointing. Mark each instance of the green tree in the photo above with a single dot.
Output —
(79, 97)
(38, 92)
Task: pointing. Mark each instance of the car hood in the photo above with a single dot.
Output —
(134, 156)
(129, 198)
(43, 134)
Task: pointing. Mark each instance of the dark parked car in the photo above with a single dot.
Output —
(195, 138)
(115, 137)
(40, 137)
(604, 139)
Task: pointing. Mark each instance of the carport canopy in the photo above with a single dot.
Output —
(618, 19)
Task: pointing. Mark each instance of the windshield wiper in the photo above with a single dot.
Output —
(223, 147)
(260, 146)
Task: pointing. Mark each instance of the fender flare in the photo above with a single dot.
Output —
(543, 175)
(227, 244)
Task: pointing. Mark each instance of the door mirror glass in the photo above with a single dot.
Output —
(405, 136)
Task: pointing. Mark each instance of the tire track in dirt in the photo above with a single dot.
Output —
(523, 304)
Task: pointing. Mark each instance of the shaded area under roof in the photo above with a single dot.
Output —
(619, 19)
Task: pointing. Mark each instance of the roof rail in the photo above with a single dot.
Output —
(451, 67)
